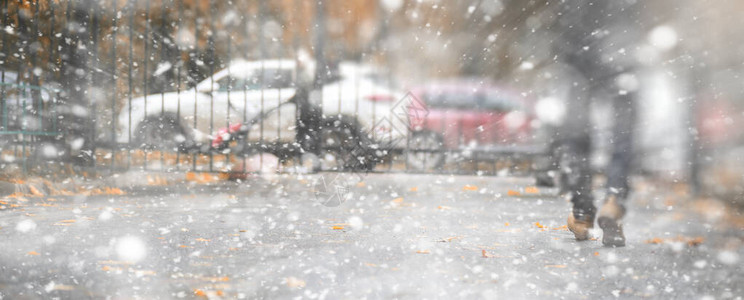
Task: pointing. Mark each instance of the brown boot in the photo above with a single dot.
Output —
(610, 216)
(580, 227)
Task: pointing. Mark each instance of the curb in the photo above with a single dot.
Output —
(116, 184)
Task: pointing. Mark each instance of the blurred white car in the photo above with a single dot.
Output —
(244, 90)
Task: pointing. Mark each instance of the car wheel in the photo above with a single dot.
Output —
(160, 133)
(424, 151)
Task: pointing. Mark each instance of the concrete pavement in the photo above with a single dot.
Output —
(395, 236)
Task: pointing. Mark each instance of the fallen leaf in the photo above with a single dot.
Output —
(16, 195)
(692, 242)
(655, 241)
(215, 279)
(442, 207)
(370, 264)
(361, 184)
(414, 189)
(695, 241)
(469, 187)
(564, 227)
(398, 200)
(531, 190)
(596, 253)
(63, 287)
(449, 239)
(33, 253)
(422, 251)
(484, 254)
(513, 193)
(337, 227)
(190, 176)
(68, 221)
(293, 282)
(143, 272)
(105, 268)
(184, 246)
(200, 293)
(539, 225)
(34, 191)
(202, 240)
(506, 224)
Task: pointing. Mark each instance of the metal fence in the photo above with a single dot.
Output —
(217, 86)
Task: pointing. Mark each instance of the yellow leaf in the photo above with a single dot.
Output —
(413, 189)
(398, 200)
(531, 190)
(555, 266)
(293, 282)
(513, 193)
(539, 225)
(506, 224)
(33, 253)
(200, 293)
(361, 184)
(469, 187)
(449, 239)
(35, 192)
(337, 227)
(655, 241)
(564, 227)
(202, 240)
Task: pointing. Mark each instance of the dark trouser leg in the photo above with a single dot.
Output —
(576, 176)
(613, 210)
(622, 148)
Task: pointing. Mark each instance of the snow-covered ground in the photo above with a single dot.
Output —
(394, 236)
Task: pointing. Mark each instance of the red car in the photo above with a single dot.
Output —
(466, 115)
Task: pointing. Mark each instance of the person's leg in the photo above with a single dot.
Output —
(576, 181)
(613, 210)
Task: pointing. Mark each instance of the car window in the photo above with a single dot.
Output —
(501, 102)
(272, 79)
(277, 78)
(231, 83)
(451, 100)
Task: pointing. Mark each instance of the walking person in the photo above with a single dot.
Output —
(593, 38)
